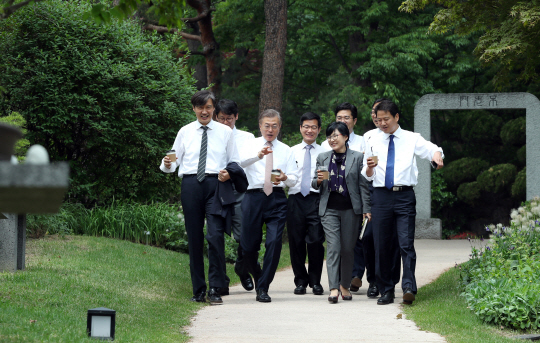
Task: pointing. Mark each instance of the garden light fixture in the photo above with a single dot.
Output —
(100, 323)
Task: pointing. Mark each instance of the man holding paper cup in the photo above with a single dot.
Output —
(304, 228)
(393, 201)
(265, 201)
(202, 150)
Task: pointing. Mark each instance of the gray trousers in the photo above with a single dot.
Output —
(341, 230)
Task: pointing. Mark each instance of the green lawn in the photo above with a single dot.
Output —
(439, 308)
(148, 287)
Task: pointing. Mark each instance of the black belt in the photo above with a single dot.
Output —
(310, 193)
(206, 174)
(397, 188)
(260, 190)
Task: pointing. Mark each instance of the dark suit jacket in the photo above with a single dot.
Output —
(224, 198)
(357, 184)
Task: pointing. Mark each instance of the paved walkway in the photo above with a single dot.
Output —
(310, 318)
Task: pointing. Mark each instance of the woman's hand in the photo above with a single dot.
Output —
(320, 177)
(368, 215)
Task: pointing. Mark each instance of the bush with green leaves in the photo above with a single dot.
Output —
(513, 132)
(481, 127)
(465, 169)
(519, 188)
(469, 192)
(16, 119)
(498, 178)
(107, 98)
(501, 280)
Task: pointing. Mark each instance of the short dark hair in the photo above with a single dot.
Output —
(310, 116)
(340, 126)
(347, 106)
(379, 100)
(201, 98)
(227, 107)
(387, 106)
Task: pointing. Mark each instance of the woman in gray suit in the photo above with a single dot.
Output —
(344, 203)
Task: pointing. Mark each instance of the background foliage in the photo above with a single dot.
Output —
(107, 98)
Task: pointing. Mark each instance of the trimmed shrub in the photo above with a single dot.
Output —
(482, 127)
(469, 192)
(497, 178)
(513, 132)
(463, 170)
(107, 98)
(519, 188)
(521, 155)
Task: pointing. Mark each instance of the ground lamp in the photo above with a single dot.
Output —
(100, 323)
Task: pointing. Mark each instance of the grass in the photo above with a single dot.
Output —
(148, 287)
(439, 308)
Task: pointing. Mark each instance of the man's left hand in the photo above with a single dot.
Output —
(282, 177)
(368, 215)
(223, 175)
(437, 158)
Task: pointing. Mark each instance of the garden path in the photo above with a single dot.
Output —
(310, 318)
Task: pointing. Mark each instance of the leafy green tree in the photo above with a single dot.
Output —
(107, 98)
(510, 31)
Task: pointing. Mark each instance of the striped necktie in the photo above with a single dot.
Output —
(202, 157)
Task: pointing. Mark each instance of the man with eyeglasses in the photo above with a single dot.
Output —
(265, 159)
(227, 114)
(203, 150)
(348, 114)
(304, 226)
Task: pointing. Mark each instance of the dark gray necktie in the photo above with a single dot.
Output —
(202, 157)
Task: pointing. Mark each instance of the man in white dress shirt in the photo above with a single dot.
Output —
(348, 114)
(304, 226)
(203, 150)
(393, 201)
(265, 202)
(227, 114)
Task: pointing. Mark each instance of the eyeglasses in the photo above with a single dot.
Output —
(333, 137)
(307, 127)
(273, 127)
(223, 119)
(343, 118)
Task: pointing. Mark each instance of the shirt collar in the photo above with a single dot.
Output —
(274, 142)
(397, 133)
(304, 144)
(210, 125)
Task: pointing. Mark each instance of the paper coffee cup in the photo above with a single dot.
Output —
(275, 173)
(324, 170)
(172, 155)
(375, 159)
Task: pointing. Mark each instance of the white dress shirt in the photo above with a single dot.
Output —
(240, 137)
(221, 149)
(299, 152)
(356, 142)
(255, 167)
(407, 145)
(369, 135)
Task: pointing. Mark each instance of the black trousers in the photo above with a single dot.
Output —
(259, 209)
(196, 200)
(304, 229)
(394, 214)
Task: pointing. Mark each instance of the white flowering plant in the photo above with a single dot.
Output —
(502, 280)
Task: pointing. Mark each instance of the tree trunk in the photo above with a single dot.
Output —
(200, 73)
(273, 71)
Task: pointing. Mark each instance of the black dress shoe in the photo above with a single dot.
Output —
(245, 280)
(356, 283)
(318, 290)
(223, 290)
(199, 297)
(214, 297)
(262, 296)
(373, 291)
(408, 296)
(387, 298)
(300, 289)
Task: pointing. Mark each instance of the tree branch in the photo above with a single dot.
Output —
(200, 17)
(343, 62)
(163, 29)
(7, 11)
(200, 53)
